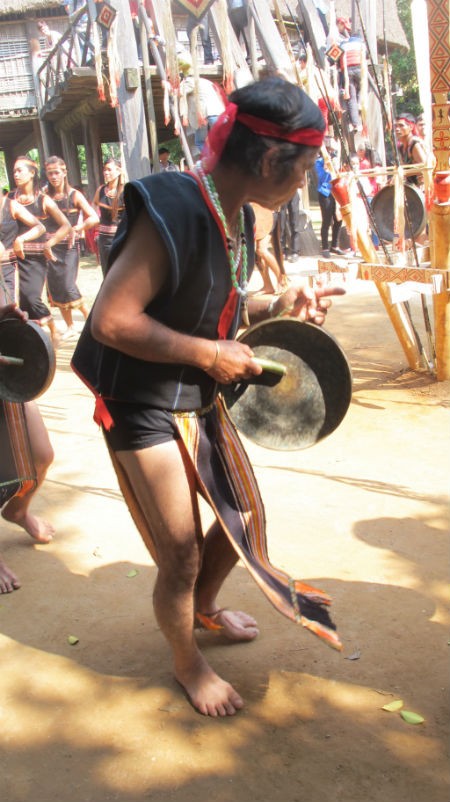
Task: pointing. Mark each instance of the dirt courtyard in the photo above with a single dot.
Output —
(362, 514)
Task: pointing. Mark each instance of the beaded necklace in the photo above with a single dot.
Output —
(237, 256)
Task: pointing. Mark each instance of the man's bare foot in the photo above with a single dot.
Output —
(209, 694)
(40, 530)
(234, 624)
(8, 580)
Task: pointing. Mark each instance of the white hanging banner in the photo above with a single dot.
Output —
(421, 48)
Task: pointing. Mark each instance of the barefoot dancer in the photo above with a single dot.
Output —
(25, 456)
(63, 271)
(158, 341)
(33, 263)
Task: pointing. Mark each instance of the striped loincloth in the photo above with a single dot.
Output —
(226, 480)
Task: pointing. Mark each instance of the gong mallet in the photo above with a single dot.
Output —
(11, 360)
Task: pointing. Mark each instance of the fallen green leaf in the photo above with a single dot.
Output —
(411, 718)
(72, 639)
(391, 707)
(132, 573)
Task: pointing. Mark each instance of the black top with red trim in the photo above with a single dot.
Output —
(191, 302)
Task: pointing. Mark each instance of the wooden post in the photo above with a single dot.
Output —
(70, 155)
(92, 146)
(402, 326)
(148, 88)
(441, 309)
(42, 144)
(397, 313)
(439, 44)
(41, 130)
(130, 110)
(9, 163)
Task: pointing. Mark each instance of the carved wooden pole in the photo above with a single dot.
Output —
(439, 46)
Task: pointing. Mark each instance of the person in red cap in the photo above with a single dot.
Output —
(159, 343)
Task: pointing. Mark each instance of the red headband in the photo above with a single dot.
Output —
(221, 130)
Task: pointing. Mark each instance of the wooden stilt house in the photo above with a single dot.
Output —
(93, 83)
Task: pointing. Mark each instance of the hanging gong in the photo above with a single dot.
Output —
(27, 360)
(382, 208)
(300, 399)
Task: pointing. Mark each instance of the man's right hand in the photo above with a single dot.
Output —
(233, 362)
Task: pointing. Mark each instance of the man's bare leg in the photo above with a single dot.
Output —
(167, 496)
(218, 559)
(8, 580)
(16, 510)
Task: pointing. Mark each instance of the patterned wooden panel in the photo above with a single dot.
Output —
(372, 272)
(196, 7)
(439, 45)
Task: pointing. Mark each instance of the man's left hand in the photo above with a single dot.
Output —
(306, 303)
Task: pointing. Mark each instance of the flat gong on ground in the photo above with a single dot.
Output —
(28, 363)
(297, 408)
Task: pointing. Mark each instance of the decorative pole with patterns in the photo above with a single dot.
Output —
(439, 48)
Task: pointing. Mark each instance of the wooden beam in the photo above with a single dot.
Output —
(87, 108)
(270, 39)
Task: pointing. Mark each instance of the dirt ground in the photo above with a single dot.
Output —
(363, 514)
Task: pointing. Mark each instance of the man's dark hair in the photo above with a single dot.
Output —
(274, 100)
(406, 116)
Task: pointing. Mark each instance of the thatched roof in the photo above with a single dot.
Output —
(395, 33)
(8, 7)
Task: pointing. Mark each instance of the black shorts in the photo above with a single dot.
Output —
(138, 426)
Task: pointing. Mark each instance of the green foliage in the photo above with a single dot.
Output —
(3, 173)
(81, 153)
(404, 71)
(111, 150)
(176, 151)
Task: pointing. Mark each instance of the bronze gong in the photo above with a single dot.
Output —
(27, 360)
(307, 403)
(382, 208)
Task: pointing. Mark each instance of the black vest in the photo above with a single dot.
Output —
(191, 302)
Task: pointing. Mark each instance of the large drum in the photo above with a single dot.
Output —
(303, 397)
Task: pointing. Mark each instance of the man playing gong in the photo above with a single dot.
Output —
(160, 341)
